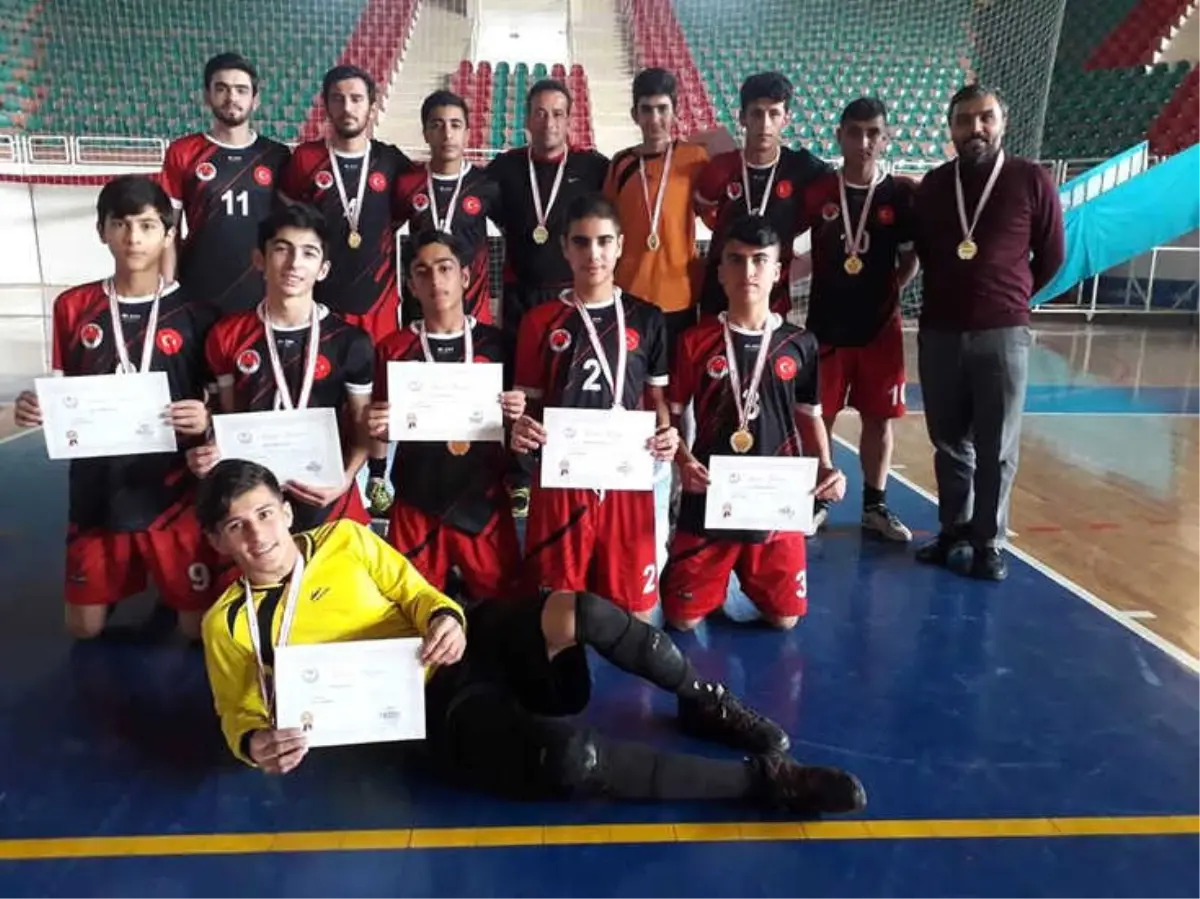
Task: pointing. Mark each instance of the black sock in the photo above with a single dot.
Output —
(377, 468)
(872, 497)
(638, 771)
(636, 647)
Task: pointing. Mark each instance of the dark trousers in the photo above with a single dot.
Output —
(973, 384)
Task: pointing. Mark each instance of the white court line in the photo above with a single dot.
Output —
(1140, 614)
(921, 413)
(1125, 619)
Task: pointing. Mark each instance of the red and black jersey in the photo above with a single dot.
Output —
(224, 192)
(721, 199)
(527, 262)
(557, 366)
(131, 493)
(361, 278)
(463, 491)
(850, 310)
(237, 356)
(789, 387)
(478, 200)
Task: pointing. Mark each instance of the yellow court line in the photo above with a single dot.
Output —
(578, 834)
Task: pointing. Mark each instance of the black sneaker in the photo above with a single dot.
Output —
(939, 550)
(988, 564)
(808, 790)
(727, 720)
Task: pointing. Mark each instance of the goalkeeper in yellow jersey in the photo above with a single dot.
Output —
(502, 675)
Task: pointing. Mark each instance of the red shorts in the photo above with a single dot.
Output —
(774, 575)
(490, 561)
(577, 540)
(105, 567)
(870, 378)
(381, 319)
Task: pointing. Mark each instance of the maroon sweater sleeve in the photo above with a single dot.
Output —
(1046, 238)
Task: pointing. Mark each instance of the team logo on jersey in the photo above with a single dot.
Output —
(169, 341)
(471, 205)
(717, 367)
(885, 215)
(733, 190)
(322, 369)
(420, 202)
(783, 189)
(323, 180)
(560, 340)
(830, 212)
(206, 171)
(249, 362)
(378, 182)
(632, 339)
(785, 368)
(262, 176)
(90, 335)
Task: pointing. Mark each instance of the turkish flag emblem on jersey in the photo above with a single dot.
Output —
(169, 341)
(785, 368)
(717, 367)
(262, 176)
(322, 369)
(632, 339)
(90, 335)
(378, 182)
(471, 205)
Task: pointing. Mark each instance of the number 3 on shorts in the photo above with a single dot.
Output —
(200, 577)
(802, 584)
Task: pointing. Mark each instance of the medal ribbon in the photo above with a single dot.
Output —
(353, 210)
(762, 206)
(444, 225)
(655, 215)
(468, 341)
(983, 197)
(543, 214)
(750, 408)
(285, 629)
(855, 246)
(283, 396)
(617, 384)
(125, 365)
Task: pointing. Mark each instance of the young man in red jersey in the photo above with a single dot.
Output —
(753, 378)
(131, 517)
(594, 347)
(451, 509)
(764, 178)
(349, 178)
(222, 183)
(862, 256)
(292, 352)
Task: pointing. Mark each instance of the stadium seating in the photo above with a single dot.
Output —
(1140, 35)
(496, 96)
(1176, 127)
(22, 44)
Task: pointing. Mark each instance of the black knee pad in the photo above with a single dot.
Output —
(627, 642)
(572, 763)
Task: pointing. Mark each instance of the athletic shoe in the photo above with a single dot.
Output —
(723, 718)
(379, 499)
(800, 789)
(882, 521)
(939, 550)
(519, 496)
(820, 516)
(987, 564)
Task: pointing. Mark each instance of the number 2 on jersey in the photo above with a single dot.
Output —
(592, 382)
(240, 200)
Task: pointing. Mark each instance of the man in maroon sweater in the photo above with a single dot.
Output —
(989, 234)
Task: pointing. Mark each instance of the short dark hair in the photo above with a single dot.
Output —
(771, 86)
(127, 195)
(592, 206)
(223, 62)
(427, 236)
(442, 98)
(974, 91)
(294, 215)
(863, 110)
(344, 73)
(229, 479)
(654, 82)
(754, 231)
(545, 86)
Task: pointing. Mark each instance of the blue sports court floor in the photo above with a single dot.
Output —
(1013, 740)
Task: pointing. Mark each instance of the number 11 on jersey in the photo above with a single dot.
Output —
(239, 201)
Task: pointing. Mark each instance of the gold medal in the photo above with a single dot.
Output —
(459, 447)
(967, 250)
(541, 234)
(853, 265)
(355, 240)
(652, 242)
(742, 441)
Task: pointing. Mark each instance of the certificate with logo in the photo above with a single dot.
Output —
(360, 691)
(301, 445)
(598, 449)
(756, 493)
(96, 416)
(445, 401)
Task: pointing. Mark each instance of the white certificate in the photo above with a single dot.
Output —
(95, 416)
(756, 493)
(445, 401)
(598, 449)
(301, 445)
(361, 691)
